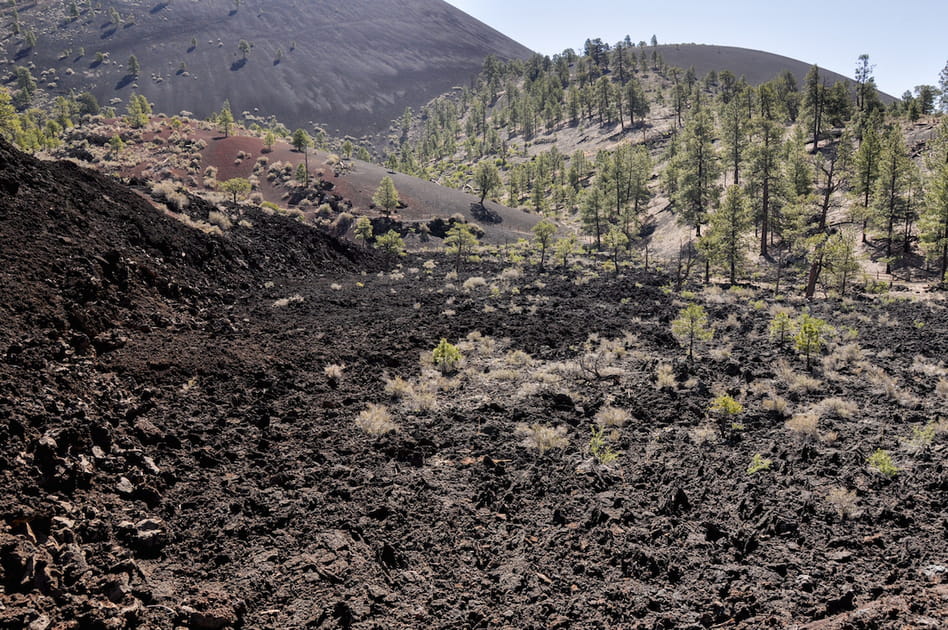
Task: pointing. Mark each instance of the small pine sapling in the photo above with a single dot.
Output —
(692, 326)
(446, 357)
(781, 327)
(809, 337)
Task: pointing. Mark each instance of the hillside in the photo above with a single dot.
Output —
(351, 66)
(756, 66)
(248, 430)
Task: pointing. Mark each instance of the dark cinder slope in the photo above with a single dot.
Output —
(755, 66)
(351, 65)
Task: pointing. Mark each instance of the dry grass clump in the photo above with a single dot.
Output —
(838, 408)
(376, 420)
(797, 383)
(941, 389)
(886, 383)
(503, 375)
(776, 404)
(398, 388)
(219, 219)
(511, 273)
(173, 198)
(610, 416)
(543, 438)
(804, 426)
(665, 376)
(283, 302)
(473, 283)
(843, 356)
(518, 358)
(925, 366)
(704, 434)
(842, 501)
(333, 372)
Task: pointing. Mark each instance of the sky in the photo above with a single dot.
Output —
(906, 41)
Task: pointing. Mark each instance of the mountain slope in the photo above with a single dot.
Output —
(756, 66)
(351, 65)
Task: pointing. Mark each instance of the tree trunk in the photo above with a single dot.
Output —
(813, 276)
(765, 217)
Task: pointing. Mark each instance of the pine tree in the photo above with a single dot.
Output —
(725, 242)
(302, 142)
(765, 170)
(134, 68)
(734, 125)
(543, 233)
(225, 118)
(691, 326)
(386, 195)
(896, 170)
(695, 168)
(460, 243)
(592, 209)
(814, 100)
(866, 169)
(486, 179)
(363, 230)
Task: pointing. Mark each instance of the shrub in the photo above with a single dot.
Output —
(776, 404)
(446, 357)
(474, 282)
(376, 420)
(219, 219)
(921, 438)
(881, 462)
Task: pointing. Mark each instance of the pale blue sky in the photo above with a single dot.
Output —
(907, 41)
